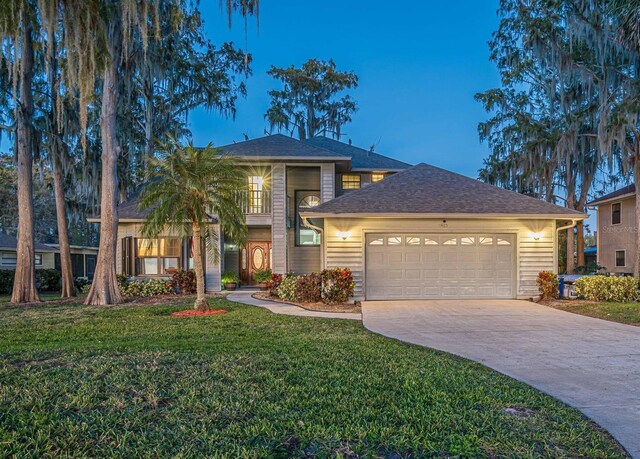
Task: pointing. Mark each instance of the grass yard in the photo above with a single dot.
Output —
(131, 381)
(624, 313)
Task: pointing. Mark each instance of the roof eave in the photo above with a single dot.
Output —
(599, 202)
(577, 216)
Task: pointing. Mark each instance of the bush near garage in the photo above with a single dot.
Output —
(615, 289)
(309, 288)
(337, 285)
(287, 288)
(274, 283)
(547, 282)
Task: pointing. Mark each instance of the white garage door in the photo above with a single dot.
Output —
(405, 266)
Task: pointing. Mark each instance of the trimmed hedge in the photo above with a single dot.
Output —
(331, 286)
(145, 287)
(608, 288)
(47, 280)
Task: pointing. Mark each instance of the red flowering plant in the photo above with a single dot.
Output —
(309, 288)
(547, 285)
(274, 283)
(337, 285)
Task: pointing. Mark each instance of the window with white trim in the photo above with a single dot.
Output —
(350, 181)
(616, 213)
(9, 259)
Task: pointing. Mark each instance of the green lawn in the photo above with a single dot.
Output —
(131, 381)
(625, 313)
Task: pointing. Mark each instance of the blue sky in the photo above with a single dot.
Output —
(419, 63)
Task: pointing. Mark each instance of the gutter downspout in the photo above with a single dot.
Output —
(306, 222)
(573, 223)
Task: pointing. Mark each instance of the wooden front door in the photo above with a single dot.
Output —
(255, 256)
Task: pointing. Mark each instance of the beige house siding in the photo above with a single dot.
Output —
(212, 269)
(303, 260)
(48, 260)
(617, 237)
(279, 213)
(532, 256)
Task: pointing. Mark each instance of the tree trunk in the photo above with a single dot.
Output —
(56, 151)
(104, 289)
(636, 181)
(24, 284)
(201, 300)
(580, 243)
(68, 288)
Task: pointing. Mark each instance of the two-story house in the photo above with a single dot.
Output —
(617, 230)
(405, 231)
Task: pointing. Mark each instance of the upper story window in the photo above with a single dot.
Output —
(616, 214)
(304, 235)
(256, 197)
(350, 181)
(376, 177)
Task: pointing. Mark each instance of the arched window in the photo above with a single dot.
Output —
(306, 236)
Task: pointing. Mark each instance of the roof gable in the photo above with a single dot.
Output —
(361, 159)
(425, 189)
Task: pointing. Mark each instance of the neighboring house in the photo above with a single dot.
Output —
(83, 259)
(617, 230)
(405, 232)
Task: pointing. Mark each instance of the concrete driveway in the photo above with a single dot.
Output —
(591, 364)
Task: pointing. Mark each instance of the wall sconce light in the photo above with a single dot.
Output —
(344, 235)
(536, 236)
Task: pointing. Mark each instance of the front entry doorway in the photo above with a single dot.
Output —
(255, 256)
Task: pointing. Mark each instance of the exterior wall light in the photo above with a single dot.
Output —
(344, 235)
(536, 236)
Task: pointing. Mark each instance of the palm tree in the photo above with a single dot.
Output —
(186, 187)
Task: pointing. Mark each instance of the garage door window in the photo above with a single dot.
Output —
(468, 240)
(485, 240)
(394, 240)
(377, 241)
(452, 241)
(411, 240)
(428, 241)
(503, 242)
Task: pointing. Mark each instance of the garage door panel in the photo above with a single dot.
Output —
(440, 266)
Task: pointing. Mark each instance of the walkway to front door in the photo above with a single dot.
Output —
(591, 364)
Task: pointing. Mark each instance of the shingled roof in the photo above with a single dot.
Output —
(279, 146)
(628, 190)
(129, 210)
(425, 189)
(361, 159)
(11, 243)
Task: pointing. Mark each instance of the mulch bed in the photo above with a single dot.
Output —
(318, 307)
(194, 313)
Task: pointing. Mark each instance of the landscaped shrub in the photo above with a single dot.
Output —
(48, 280)
(607, 288)
(147, 287)
(184, 281)
(262, 276)
(81, 283)
(6, 281)
(274, 283)
(337, 285)
(287, 288)
(309, 288)
(547, 285)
